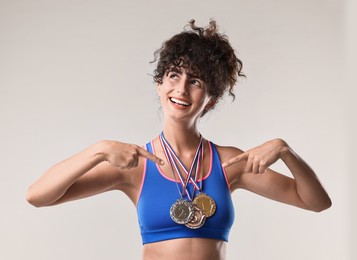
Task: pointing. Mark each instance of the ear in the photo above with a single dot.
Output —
(158, 89)
(211, 103)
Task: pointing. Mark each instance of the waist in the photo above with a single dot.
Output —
(186, 248)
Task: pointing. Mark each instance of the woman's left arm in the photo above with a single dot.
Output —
(304, 190)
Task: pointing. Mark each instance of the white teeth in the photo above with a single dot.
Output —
(180, 102)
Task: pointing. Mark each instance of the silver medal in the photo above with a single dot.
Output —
(182, 211)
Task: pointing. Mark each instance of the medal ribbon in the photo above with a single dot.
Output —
(172, 164)
(196, 159)
(173, 160)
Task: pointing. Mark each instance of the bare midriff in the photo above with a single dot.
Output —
(185, 248)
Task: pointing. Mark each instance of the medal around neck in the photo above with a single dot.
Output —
(206, 204)
(198, 219)
(182, 211)
(191, 213)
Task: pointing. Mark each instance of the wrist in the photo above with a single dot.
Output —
(101, 150)
(284, 149)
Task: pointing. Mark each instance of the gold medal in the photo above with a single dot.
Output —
(198, 219)
(205, 203)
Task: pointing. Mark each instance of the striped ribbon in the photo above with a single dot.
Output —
(173, 159)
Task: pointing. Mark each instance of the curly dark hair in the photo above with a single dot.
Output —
(206, 53)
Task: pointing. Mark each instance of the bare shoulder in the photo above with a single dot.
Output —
(228, 152)
(234, 171)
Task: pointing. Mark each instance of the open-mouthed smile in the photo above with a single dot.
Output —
(179, 102)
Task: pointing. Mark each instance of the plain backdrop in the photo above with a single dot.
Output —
(75, 72)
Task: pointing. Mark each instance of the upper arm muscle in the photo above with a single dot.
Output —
(272, 185)
(101, 178)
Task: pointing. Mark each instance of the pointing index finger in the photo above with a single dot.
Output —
(150, 156)
(234, 160)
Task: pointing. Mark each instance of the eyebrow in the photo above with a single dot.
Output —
(175, 69)
(178, 70)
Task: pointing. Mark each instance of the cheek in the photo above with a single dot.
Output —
(203, 97)
(164, 88)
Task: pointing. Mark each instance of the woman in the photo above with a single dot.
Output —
(178, 183)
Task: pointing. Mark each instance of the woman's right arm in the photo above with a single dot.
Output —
(96, 169)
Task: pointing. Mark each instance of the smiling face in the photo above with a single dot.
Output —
(205, 50)
(183, 95)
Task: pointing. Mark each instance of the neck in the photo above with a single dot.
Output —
(182, 137)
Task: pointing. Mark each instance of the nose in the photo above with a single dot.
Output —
(182, 87)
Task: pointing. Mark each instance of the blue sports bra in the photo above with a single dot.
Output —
(158, 193)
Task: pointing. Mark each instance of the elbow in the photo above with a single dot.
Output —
(31, 198)
(326, 204)
(34, 199)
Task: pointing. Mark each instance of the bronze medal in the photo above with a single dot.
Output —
(181, 211)
(206, 204)
(198, 219)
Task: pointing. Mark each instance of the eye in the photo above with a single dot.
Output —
(173, 75)
(196, 82)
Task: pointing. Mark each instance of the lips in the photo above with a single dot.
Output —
(180, 102)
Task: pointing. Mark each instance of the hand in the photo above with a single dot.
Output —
(258, 159)
(126, 156)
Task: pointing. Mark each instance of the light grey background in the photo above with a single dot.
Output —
(74, 72)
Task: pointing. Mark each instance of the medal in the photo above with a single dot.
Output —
(198, 219)
(182, 211)
(206, 204)
(194, 211)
